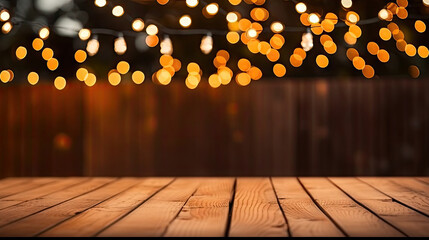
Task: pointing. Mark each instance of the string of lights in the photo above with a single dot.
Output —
(240, 29)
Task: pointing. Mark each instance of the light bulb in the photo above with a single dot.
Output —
(251, 33)
(138, 25)
(307, 41)
(7, 27)
(206, 44)
(4, 15)
(118, 11)
(44, 33)
(120, 45)
(166, 46)
(100, 3)
(185, 21)
(232, 17)
(212, 8)
(191, 3)
(313, 18)
(93, 46)
(84, 34)
(277, 27)
(347, 3)
(301, 7)
(151, 29)
(383, 14)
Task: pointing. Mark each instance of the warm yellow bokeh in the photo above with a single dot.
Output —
(114, 78)
(383, 56)
(373, 48)
(244, 64)
(52, 64)
(123, 67)
(322, 61)
(279, 70)
(82, 74)
(80, 56)
(33, 78)
(90, 80)
(47, 54)
(21, 52)
(243, 79)
(37, 44)
(423, 51)
(60, 83)
(368, 71)
(358, 63)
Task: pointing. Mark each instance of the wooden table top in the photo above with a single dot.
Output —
(262, 206)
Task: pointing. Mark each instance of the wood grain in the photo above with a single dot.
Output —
(206, 212)
(304, 218)
(9, 182)
(407, 220)
(256, 211)
(350, 216)
(103, 215)
(43, 221)
(400, 193)
(217, 207)
(153, 217)
(423, 179)
(413, 184)
(270, 128)
(33, 206)
(31, 185)
(39, 192)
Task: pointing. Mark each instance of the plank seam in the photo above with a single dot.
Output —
(281, 208)
(231, 206)
(394, 199)
(178, 213)
(59, 190)
(43, 184)
(126, 214)
(321, 209)
(19, 219)
(58, 223)
(365, 207)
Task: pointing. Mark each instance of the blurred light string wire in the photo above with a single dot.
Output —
(17, 20)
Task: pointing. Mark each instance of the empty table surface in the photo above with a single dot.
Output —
(215, 206)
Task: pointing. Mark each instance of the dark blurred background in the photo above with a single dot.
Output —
(313, 121)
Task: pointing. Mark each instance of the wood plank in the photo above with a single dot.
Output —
(355, 220)
(400, 193)
(152, 218)
(40, 191)
(29, 207)
(413, 184)
(9, 182)
(407, 220)
(103, 215)
(42, 221)
(34, 183)
(255, 210)
(303, 216)
(206, 212)
(424, 179)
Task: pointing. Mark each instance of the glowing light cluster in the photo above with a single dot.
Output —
(240, 29)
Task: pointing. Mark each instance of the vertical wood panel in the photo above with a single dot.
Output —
(285, 127)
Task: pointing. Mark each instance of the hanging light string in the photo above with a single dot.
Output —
(171, 31)
(313, 23)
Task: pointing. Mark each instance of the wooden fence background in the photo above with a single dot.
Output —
(286, 127)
